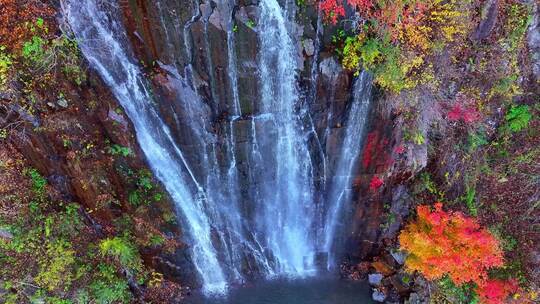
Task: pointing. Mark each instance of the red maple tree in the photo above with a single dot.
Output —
(448, 243)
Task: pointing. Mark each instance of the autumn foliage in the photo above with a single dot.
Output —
(376, 183)
(393, 39)
(361, 5)
(464, 109)
(450, 244)
(496, 291)
(460, 112)
(332, 10)
(443, 243)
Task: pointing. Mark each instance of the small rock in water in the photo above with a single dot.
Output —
(375, 279)
(378, 296)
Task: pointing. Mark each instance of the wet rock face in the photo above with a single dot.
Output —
(206, 40)
(489, 20)
(208, 45)
(533, 39)
(333, 92)
(399, 209)
(71, 146)
(60, 148)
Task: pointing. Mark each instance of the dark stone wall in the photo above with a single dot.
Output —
(323, 84)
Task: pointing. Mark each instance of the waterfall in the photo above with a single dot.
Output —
(287, 206)
(103, 41)
(271, 230)
(339, 193)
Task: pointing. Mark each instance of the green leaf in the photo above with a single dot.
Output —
(39, 22)
(518, 118)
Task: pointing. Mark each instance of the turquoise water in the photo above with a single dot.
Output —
(306, 291)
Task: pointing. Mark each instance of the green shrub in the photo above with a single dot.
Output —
(470, 195)
(360, 52)
(251, 24)
(158, 197)
(457, 294)
(46, 54)
(352, 53)
(506, 87)
(69, 54)
(112, 292)
(517, 23)
(518, 118)
(145, 180)
(56, 266)
(55, 300)
(5, 64)
(38, 182)
(430, 185)
(134, 198)
(145, 190)
(371, 51)
(383, 59)
(120, 150)
(108, 288)
(476, 140)
(123, 250)
(50, 250)
(34, 50)
(392, 73)
(156, 240)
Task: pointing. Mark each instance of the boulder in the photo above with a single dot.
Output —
(399, 209)
(399, 256)
(309, 47)
(378, 296)
(5, 234)
(62, 102)
(375, 279)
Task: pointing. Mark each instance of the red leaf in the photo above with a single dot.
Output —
(332, 10)
(375, 183)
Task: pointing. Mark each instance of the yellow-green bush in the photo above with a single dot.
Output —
(5, 64)
(56, 266)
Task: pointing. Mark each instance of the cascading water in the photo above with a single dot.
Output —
(103, 41)
(288, 201)
(275, 232)
(339, 193)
